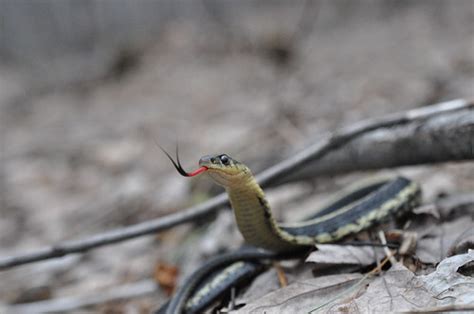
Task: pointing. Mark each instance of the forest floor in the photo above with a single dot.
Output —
(81, 159)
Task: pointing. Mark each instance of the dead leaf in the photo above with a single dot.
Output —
(300, 297)
(33, 294)
(456, 205)
(262, 285)
(465, 243)
(437, 241)
(447, 284)
(345, 255)
(268, 281)
(396, 290)
(166, 275)
(429, 209)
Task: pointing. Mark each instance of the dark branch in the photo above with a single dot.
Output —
(272, 176)
(446, 137)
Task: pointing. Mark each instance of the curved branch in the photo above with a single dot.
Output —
(447, 137)
(272, 176)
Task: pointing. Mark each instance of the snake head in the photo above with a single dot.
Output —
(221, 168)
(225, 170)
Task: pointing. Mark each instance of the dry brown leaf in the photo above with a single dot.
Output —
(447, 284)
(437, 241)
(166, 276)
(345, 255)
(268, 281)
(301, 296)
(396, 290)
(428, 209)
(456, 205)
(262, 285)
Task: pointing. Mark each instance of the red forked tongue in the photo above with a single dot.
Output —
(177, 165)
(196, 172)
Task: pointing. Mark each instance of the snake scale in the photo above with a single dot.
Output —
(356, 208)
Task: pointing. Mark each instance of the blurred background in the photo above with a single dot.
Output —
(87, 87)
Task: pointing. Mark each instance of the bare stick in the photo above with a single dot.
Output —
(272, 176)
(447, 137)
(387, 251)
(288, 169)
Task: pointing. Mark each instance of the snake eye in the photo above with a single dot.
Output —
(225, 160)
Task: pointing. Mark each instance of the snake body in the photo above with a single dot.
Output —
(355, 209)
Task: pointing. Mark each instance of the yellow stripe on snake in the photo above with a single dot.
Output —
(354, 209)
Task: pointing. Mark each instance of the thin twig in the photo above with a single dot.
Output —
(387, 251)
(272, 176)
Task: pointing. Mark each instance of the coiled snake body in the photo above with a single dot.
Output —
(355, 209)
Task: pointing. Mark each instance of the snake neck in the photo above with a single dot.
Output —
(254, 218)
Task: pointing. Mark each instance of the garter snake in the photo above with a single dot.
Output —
(355, 209)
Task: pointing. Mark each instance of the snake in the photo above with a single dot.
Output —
(355, 208)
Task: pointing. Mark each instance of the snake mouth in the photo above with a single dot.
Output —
(208, 162)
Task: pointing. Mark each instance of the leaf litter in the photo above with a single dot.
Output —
(398, 289)
(404, 287)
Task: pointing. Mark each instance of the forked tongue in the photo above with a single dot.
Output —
(195, 172)
(177, 165)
